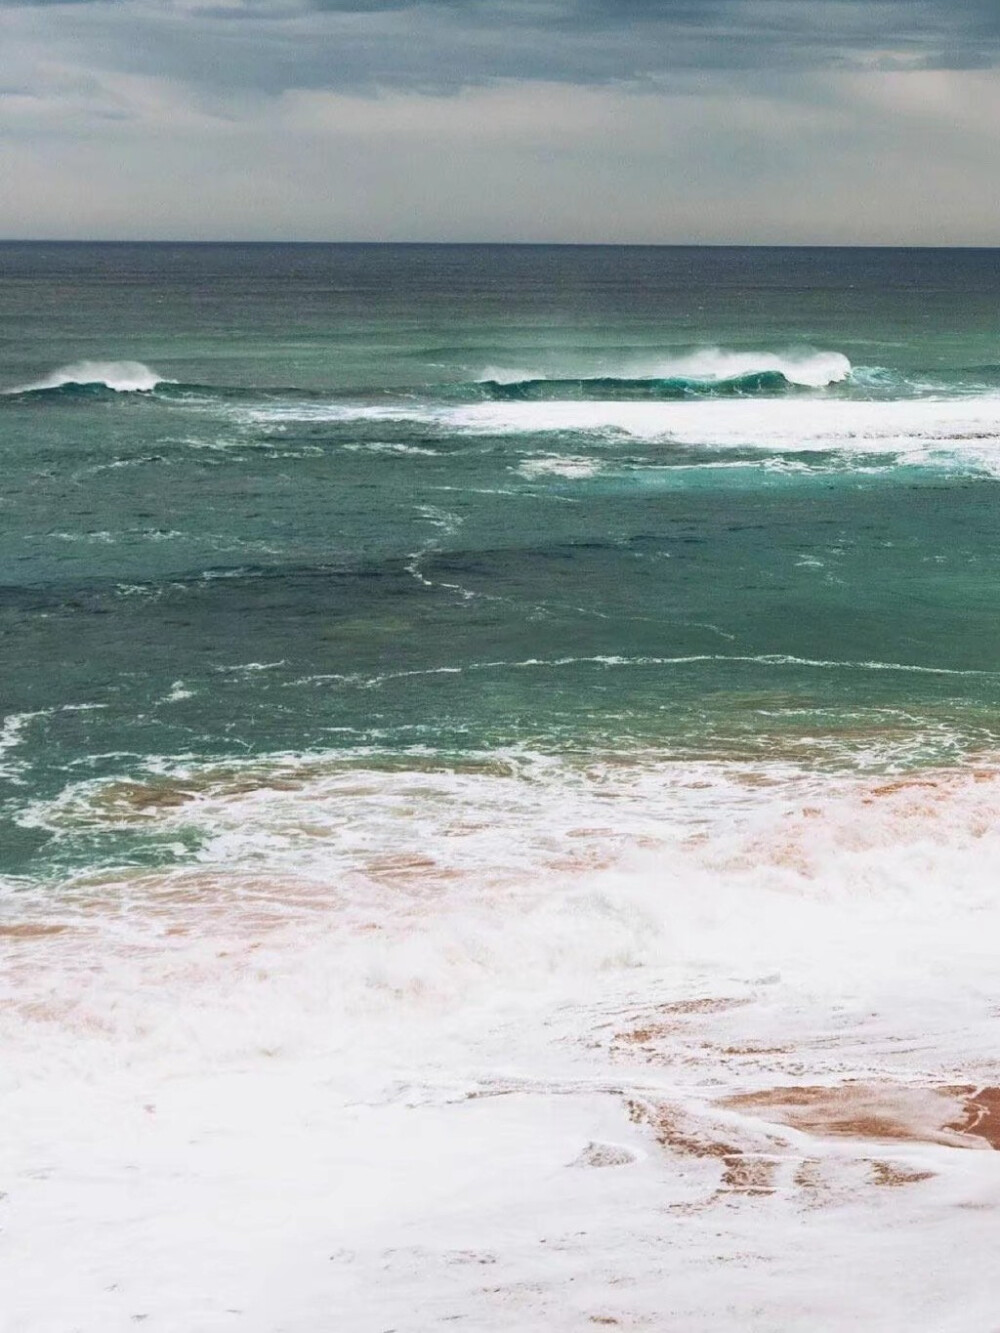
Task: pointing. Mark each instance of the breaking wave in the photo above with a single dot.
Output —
(605, 387)
(711, 372)
(119, 376)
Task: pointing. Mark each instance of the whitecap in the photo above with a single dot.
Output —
(808, 367)
(805, 366)
(559, 466)
(122, 376)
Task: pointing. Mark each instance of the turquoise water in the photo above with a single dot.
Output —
(429, 505)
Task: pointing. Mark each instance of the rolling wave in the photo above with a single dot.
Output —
(713, 377)
(604, 388)
(711, 372)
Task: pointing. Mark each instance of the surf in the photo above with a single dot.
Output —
(709, 372)
(117, 376)
(609, 387)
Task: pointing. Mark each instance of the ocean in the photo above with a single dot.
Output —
(498, 787)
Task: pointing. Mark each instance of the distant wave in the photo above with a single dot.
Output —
(711, 372)
(119, 376)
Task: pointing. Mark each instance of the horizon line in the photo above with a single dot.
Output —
(526, 245)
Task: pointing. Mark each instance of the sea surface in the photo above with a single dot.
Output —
(499, 787)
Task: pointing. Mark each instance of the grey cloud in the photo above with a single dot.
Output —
(271, 45)
(373, 46)
(535, 119)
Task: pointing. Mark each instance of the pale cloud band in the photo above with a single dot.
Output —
(718, 120)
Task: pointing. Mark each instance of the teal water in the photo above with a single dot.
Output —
(433, 504)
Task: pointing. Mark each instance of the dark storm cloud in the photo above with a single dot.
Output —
(271, 45)
(636, 37)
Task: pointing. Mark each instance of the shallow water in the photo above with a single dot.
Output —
(471, 716)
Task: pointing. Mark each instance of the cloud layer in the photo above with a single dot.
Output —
(672, 120)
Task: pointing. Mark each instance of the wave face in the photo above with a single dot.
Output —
(708, 371)
(445, 823)
(814, 369)
(669, 388)
(711, 372)
(119, 376)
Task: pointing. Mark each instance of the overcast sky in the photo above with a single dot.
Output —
(840, 121)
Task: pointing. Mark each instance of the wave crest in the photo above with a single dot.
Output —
(806, 366)
(710, 372)
(120, 376)
(609, 388)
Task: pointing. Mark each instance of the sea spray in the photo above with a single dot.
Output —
(121, 376)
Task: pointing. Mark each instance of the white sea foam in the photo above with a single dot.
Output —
(948, 432)
(913, 427)
(12, 735)
(369, 1047)
(178, 693)
(122, 376)
(402, 450)
(559, 465)
(777, 660)
(807, 367)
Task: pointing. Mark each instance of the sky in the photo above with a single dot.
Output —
(630, 121)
